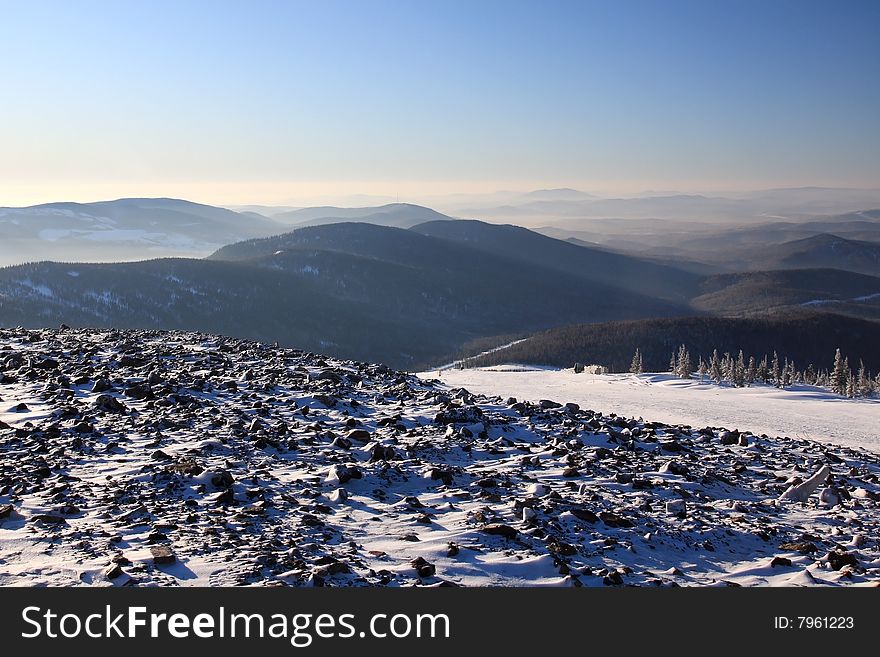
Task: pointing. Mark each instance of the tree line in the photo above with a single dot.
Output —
(740, 371)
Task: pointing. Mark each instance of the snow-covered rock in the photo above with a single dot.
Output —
(252, 464)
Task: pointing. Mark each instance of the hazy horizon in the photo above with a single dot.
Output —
(355, 197)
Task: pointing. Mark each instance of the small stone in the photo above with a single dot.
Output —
(162, 554)
(423, 567)
(109, 404)
(443, 475)
(139, 392)
(382, 453)
(585, 514)
(452, 550)
(676, 507)
(48, 518)
(537, 490)
(780, 561)
(222, 479)
(360, 435)
(561, 548)
(614, 520)
(838, 560)
(338, 568)
(112, 571)
(613, 578)
(674, 467)
(101, 385)
(804, 547)
(498, 529)
(729, 437)
(829, 496)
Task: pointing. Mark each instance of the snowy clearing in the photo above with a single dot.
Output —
(799, 411)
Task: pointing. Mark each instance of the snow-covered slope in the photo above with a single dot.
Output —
(131, 458)
(798, 411)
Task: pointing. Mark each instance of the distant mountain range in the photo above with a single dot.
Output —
(125, 229)
(578, 212)
(827, 250)
(850, 242)
(779, 291)
(402, 283)
(397, 215)
(353, 289)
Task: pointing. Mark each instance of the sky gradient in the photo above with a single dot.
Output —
(270, 102)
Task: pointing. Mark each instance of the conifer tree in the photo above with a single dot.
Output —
(739, 370)
(810, 375)
(684, 369)
(636, 365)
(839, 375)
(851, 386)
(715, 367)
(864, 383)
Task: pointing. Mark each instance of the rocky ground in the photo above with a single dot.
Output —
(154, 458)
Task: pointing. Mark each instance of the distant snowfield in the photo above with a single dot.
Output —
(798, 411)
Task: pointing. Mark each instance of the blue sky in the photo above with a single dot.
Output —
(265, 101)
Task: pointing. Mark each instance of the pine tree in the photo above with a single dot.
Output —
(810, 375)
(864, 383)
(636, 365)
(684, 369)
(727, 368)
(788, 373)
(851, 386)
(715, 367)
(752, 371)
(739, 370)
(839, 375)
(775, 371)
(673, 363)
(764, 371)
(702, 369)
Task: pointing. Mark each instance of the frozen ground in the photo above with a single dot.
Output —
(145, 458)
(798, 411)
